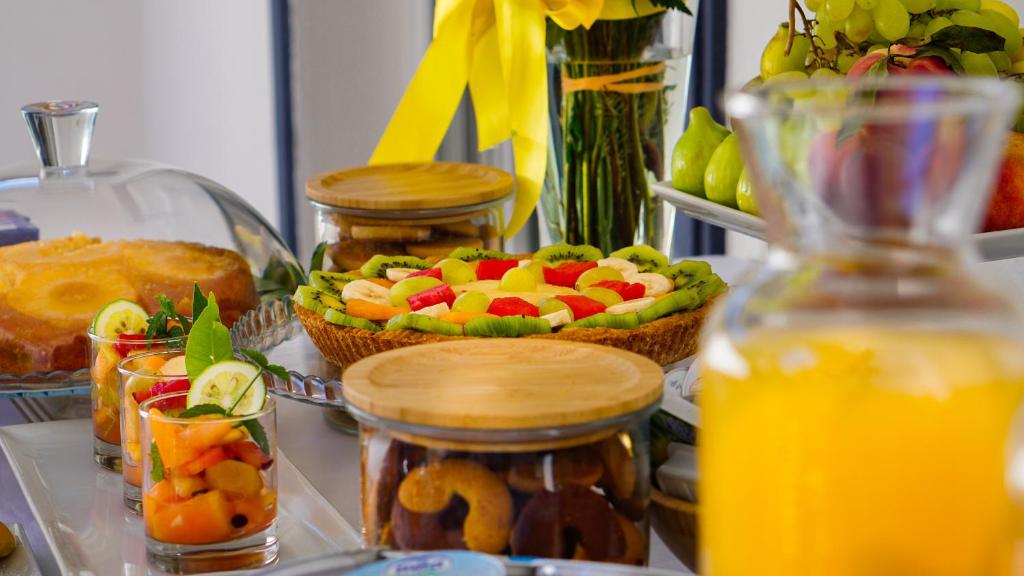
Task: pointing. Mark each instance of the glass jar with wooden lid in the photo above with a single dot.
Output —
(517, 447)
(420, 209)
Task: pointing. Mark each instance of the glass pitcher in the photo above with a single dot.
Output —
(861, 396)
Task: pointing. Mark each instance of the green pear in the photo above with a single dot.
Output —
(723, 173)
(693, 151)
(745, 194)
(774, 59)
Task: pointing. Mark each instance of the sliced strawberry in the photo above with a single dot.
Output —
(512, 306)
(435, 295)
(126, 343)
(567, 273)
(432, 272)
(141, 396)
(249, 453)
(625, 289)
(582, 306)
(169, 386)
(494, 269)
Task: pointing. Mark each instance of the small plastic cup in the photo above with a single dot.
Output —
(104, 355)
(209, 499)
(138, 375)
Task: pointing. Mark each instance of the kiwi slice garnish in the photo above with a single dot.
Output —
(317, 300)
(342, 319)
(646, 258)
(686, 271)
(331, 282)
(423, 323)
(627, 321)
(477, 254)
(557, 253)
(377, 266)
(685, 299)
(708, 286)
(507, 326)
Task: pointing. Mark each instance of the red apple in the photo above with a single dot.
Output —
(1006, 207)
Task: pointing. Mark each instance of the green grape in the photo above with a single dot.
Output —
(972, 5)
(774, 60)
(472, 301)
(918, 6)
(998, 22)
(1001, 60)
(552, 305)
(518, 280)
(838, 10)
(916, 30)
(977, 64)
(813, 5)
(936, 24)
(859, 25)
(826, 33)
(824, 73)
(846, 60)
(454, 272)
(891, 19)
(867, 4)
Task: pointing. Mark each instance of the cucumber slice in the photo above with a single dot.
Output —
(222, 384)
(120, 317)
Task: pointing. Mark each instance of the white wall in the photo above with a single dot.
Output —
(187, 83)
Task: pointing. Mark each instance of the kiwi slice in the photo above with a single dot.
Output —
(562, 252)
(686, 271)
(341, 319)
(708, 286)
(377, 266)
(423, 323)
(317, 300)
(331, 282)
(507, 326)
(685, 299)
(476, 254)
(627, 321)
(646, 258)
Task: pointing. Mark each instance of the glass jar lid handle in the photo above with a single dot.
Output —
(61, 131)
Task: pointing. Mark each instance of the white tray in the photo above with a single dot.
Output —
(991, 245)
(80, 510)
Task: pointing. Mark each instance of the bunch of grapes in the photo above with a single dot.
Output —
(980, 37)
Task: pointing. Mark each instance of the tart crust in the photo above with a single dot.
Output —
(665, 340)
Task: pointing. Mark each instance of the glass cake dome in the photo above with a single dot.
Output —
(72, 194)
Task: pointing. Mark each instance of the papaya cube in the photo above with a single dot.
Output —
(236, 479)
(205, 519)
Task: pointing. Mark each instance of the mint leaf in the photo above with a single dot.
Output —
(156, 469)
(202, 410)
(257, 357)
(968, 38)
(258, 434)
(209, 341)
(316, 263)
(198, 301)
(278, 371)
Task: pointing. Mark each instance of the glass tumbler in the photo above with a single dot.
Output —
(861, 395)
(143, 376)
(209, 499)
(104, 355)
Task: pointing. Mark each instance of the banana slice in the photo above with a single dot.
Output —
(655, 284)
(625, 267)
(397, 274)
(366, 290)
(630, 306)
(558, 318)
(437, 310)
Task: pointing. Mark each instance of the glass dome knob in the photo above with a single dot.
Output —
(61, 131)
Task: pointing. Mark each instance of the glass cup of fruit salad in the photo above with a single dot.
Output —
(209, 474)
(117, 332)
(142, 377)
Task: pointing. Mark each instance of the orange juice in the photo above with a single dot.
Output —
(861, 451)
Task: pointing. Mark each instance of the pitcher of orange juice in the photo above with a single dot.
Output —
(862, 396)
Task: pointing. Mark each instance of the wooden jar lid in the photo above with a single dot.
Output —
(502, 384)
(419, 186)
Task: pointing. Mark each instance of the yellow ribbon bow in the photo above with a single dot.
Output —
(497, 48)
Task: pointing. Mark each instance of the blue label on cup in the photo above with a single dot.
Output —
(435, 564)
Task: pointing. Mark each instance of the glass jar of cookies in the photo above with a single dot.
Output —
(425, 210)
(514, 447)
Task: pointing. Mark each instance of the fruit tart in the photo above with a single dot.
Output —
(633, 299)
